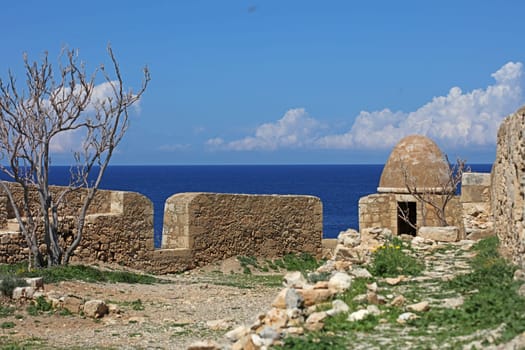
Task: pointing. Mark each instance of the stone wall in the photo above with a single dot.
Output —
(216, 226)
(475, 205)
(380, 210)
(199, 228)
(508, 186)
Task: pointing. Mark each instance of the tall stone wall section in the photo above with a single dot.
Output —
(508, 186)
(215, 226)
(476, 205)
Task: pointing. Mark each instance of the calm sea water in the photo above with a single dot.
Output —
(338, 186)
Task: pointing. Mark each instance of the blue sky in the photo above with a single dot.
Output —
(284, 82)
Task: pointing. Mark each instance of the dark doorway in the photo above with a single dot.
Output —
(406, 218)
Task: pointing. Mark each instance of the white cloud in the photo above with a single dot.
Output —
(295, 129)
(456, 119)
(71, 140)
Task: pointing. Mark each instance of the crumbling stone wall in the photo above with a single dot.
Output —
(508, 186)
(199, 228)
(475, 205)
(215, 226)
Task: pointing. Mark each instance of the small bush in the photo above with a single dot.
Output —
(9, 283)
(39, 305)
(390, 260)
(7, 325)
(314, 341)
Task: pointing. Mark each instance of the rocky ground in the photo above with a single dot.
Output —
(205, 304)
(171, 315)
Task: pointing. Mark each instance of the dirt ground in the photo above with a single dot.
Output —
(202, 304)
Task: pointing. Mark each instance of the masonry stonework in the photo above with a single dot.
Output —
(214, 226)
(199, 228)
(508, 186)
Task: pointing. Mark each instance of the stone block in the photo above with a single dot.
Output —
(440, 233)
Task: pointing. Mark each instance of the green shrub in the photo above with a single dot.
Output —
(314, 341)
(390, 260)
(9, 283)
(39, 305)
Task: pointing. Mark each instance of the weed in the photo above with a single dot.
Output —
(137, 305)
(9, 283)
(39, 305)
(76, 272)
(7, 325)
(314, 341)
(391, 259)
(495, 301)
(6, 311)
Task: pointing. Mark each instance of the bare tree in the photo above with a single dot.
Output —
(52, 105)
(437, 197)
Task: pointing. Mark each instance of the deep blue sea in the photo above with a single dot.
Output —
(338, 186)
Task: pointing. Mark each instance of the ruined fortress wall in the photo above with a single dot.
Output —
(508, 186)
(120, 232)
(199, 228)
(476, 205)
(216, 226)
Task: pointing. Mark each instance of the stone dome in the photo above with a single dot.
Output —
(418, 157)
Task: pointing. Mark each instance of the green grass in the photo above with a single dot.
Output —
(391, 260)
(40, 305)
(291, 262)
(76, 272)
(314, 341)
(6, 311)
(243, 281)
(491, 298)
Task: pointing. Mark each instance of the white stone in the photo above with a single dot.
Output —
(237, 333)
(23, 292)
(349, 238)
(294, 280)
(36, 282)
(360, 272)
(340, 282)
(358, 315)
(407, 316)
(218, 325)
(373, 310)
(95, 308)
(338, 307)
(440, 234)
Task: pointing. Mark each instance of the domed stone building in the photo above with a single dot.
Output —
(416, 165)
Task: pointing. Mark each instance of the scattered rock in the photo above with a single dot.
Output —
(95, 308)
(237, 333)
(71, 303)
(407, 316)
(294, 330)
(419, 307)
(294, 280)
(269, 333)
(317, 317)
(338, 306)
(358, 315)
(339, 282)
(376, 299)
(276, 318)
(394, 281)
(349, 238)
(439, 233)
(519, 275)
(37, 283)
(288, 298)
(373, 310)
(398, 301)
(314, 296)
(372, 287)
(23, 293)
(360, 272)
